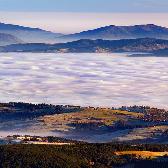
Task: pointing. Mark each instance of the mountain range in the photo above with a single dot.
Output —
(147, 45)
(29, 35)
(112, 32)
(138, 38)
(120, 32)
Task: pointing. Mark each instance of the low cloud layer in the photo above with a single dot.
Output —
(94, 79)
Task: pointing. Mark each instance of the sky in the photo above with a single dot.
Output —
(68, 16)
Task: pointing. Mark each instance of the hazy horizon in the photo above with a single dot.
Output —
(67, 16)
(71, 22)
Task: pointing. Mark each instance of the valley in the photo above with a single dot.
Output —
(83, 84)
(126, 124)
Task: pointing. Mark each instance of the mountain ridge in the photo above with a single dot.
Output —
(28, 34)
(113, 32)
(149, 45)
(7, 39)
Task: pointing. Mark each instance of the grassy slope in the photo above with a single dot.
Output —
(100, 116)
(143, 154)
(75, 156)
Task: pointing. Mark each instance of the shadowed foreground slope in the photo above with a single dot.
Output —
(77, 156)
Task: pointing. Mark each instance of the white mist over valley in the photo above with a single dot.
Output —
(84, 79)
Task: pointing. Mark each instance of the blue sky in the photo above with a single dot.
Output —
(149, 6)
(69, 16)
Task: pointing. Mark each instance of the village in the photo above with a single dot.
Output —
(30, 139)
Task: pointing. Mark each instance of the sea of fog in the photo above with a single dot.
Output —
(84, 79)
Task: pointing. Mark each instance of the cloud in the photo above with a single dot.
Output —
(102, 80)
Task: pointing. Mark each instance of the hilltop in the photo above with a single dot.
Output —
(136, 124)
(28, 34)
(114, 32)
(146, 45)
(7, 39)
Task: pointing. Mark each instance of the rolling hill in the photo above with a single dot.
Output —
(29, 35)
(113, 32)
(7, 39)
(149, 45)
(135, 124)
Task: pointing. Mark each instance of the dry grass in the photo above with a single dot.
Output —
(47, 143)
(143, 154)
(144, 133)
(96, 116)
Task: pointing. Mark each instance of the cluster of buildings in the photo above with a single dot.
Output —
(25, 138)
(156, 115)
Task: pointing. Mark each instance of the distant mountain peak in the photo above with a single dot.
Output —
(152, 26)
(148, 25)
(7, 39)
(15, 26)
(113, 32)
(28, 34)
